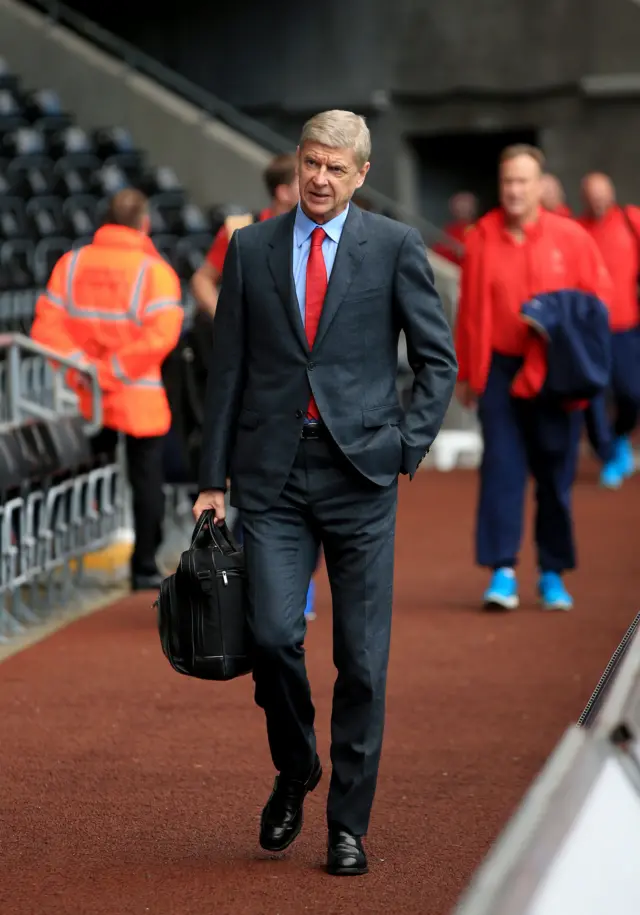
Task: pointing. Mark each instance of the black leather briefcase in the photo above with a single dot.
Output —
(202, 607)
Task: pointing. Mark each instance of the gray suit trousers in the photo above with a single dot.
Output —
(325, 501)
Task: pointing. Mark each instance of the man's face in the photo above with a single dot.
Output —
(598, 194)
(520, 186)
(552, 194)
(328, 179)
(464, 207)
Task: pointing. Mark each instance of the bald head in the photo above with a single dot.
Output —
(552, 192)
(598, 193)
(129, 208)
(463, 207)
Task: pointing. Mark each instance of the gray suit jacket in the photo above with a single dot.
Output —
(262, 369)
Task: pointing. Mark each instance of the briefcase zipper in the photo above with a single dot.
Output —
(224, 575)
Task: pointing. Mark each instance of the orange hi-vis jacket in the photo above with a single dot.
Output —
(115, 305)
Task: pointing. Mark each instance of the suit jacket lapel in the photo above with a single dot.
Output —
(280, 259)
(346, 265)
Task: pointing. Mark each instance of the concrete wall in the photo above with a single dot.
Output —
(215, 163)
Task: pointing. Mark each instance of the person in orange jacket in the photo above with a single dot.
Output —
(116, 304)
(464, 211)
(553, 198)
(616, 231)
(514, 253)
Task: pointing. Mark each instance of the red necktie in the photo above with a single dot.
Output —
(316, 291)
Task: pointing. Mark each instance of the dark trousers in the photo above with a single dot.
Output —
(145, 472)
(324, 502)
(600, 432)
(623, 396)
(522, 438)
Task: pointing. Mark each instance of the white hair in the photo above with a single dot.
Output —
(339, 130)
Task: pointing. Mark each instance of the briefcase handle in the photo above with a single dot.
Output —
(219, 534)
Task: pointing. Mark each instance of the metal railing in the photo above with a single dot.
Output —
(32, 384)
(571, 845)
(57, 512)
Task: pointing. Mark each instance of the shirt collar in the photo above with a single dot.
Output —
(304, 226)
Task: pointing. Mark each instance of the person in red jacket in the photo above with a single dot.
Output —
(616, 231)
(281, 182)
(514, 253)
(464, 211)
(553, 198)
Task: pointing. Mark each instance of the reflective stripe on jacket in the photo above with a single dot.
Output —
(117, 306)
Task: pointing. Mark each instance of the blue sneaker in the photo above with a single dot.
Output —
(502, 591)
(623, 456)
(309, 612)
(553, 594)
(611, 476)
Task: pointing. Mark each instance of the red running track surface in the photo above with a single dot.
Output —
(126, 788)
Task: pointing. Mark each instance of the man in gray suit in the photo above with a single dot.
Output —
(303, 416)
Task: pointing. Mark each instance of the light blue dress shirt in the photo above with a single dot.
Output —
(302, 230)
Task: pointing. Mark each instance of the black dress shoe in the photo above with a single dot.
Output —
(346, 857)
(282, 817)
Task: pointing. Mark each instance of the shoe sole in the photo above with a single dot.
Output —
(283, 847)
(501, 603)
(559, 605)
(348, 871)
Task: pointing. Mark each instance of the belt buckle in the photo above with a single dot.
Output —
(311, 430)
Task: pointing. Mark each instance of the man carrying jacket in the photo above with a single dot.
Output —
(116, 304)
(514, 254)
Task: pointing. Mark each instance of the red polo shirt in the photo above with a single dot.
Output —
(220, 246)
(458, 231)
(500, 274)
(620, 252)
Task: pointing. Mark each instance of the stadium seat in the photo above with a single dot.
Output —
(116, 147)
(81, 242)
(45, 255)
(16, 258)
(71, 141)
(80, 216)
(109, 180)
(76, 170)
(45, 216)
(11, 115)
(167, 247)
(5, 183)
(162, 180)
(13, 218)
(8, 80)
(31, 176)
(44, 110)
(191, 220)
(24, 142)
(190, 253)
(170, 206)
(159, 224)
(71, 182)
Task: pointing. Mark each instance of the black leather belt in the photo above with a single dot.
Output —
(314, 431)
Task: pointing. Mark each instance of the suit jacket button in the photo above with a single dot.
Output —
(299, 414)
(311, 366)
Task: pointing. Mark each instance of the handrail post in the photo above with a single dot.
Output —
(13, 382)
